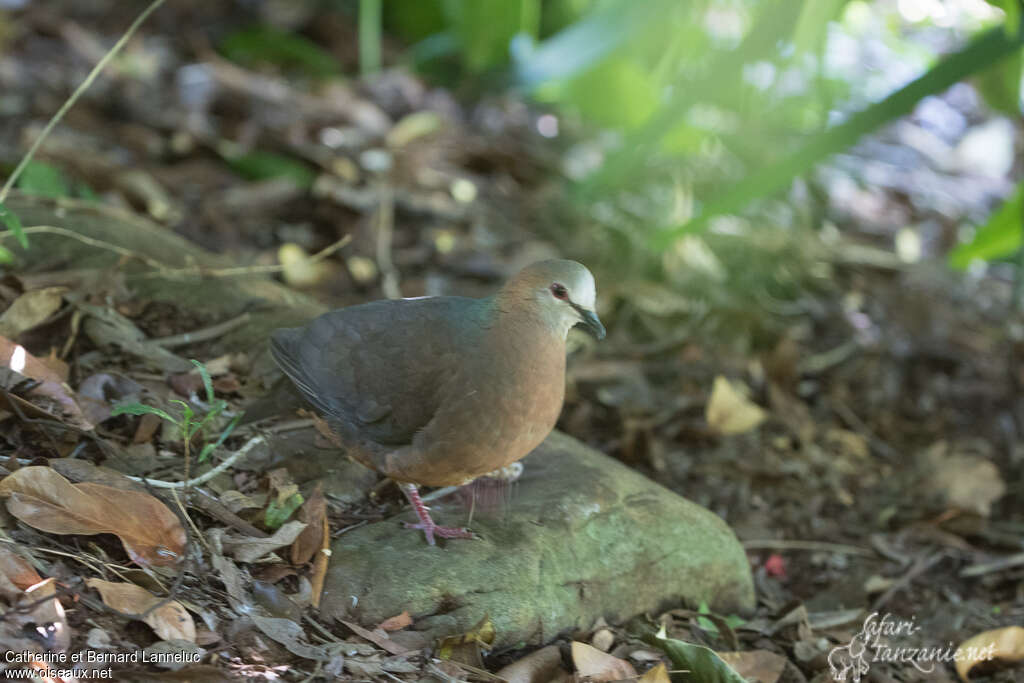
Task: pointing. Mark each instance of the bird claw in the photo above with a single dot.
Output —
(430, 530)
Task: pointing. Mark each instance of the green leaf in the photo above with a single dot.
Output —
(576, 49)
(999, 237)
(988, 48)
(999, 85)
(485, 29)
(278, 513)
(260, 165)
(265, 44)
(211, 447)
(635, 93)
(141, 409)
(703, 665)
(812, 26)
(44, 180)
(207, 382)
(13, 223)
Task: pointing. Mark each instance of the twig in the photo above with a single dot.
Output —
(814, 546)
(1008, 562)
(100, 65)
(170, 272)
(385, 232)
(201, 335)
(922, 565)
(203, 478)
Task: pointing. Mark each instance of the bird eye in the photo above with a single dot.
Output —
(559, 291)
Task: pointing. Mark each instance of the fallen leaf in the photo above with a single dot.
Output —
(313, 512)
(291, 635)
(656, 674)
(729, 411)
(965, 481)
(51, 384)
(15, 572)
(378, 638)
(30, 309)
(1001, 643)
(600, 666)
(541, 666)
(48, 615)
(42, 498)
(396, 623)
(250, 548)
(170, 621)
(320, 562)
(756, 666)
(703, 662)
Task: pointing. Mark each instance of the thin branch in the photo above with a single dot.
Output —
(202, 479)
(100, 65)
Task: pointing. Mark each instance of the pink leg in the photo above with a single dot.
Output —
(426, 523)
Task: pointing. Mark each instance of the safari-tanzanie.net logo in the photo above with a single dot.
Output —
(885, 638)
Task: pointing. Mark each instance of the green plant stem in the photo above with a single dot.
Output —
(369, 36)
(75, 95)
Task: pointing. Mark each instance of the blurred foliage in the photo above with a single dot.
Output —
(267, 45)
(261, 165)
(714, 105)
(44, 180)
(999, 237)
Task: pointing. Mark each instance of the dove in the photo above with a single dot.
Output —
(437, 391)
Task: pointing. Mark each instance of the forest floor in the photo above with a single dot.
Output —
(869, 455)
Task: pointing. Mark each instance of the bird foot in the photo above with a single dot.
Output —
(431, 529)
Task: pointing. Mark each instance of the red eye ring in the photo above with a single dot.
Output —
(559, 291)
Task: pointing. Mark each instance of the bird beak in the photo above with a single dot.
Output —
(590, 321)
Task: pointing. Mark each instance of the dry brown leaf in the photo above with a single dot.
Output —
(599, 666)
(250, 548)
(169, 621)
(729, 411)
(313, 512)
(396, 623)
(30, 309)
(48, 615)
(42, 498)
(16, 570)
(51, 384)
(378, 638)
(1001, 643)
(757, 666)
(541, 666)
(965, 481)
(320, 562)
(657, 674)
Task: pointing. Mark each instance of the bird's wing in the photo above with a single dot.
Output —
(377, 371)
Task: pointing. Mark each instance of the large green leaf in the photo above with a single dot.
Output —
(1000, 85)
(999, 237)
(990, 47)
(701, 663)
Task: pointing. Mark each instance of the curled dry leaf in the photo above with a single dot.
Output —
(541, 666)
(42, 498)
(396, 623)
(1001, 643)
(729, 411)
(600, 666)
(250, 548)
(16, 574)
(51, 384)
(169, 621)
(313, 512)
(48, 616)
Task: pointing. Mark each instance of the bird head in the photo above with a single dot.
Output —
(562, 294)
